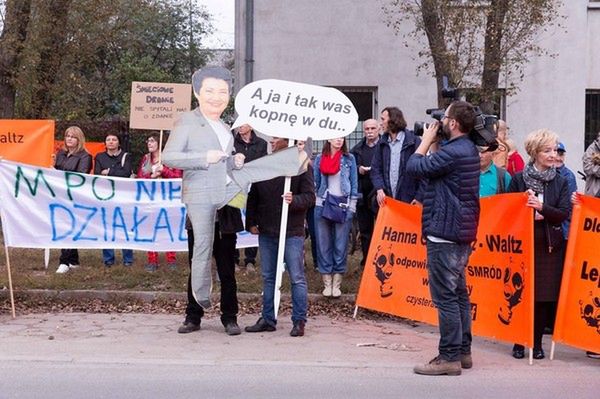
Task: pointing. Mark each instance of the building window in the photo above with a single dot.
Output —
(364, 100)
(592, 116)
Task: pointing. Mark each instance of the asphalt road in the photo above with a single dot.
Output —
(80, 355)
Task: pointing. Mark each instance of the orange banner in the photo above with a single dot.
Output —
(27, 141)
(578, 316)
(92, 147)
(499, 273)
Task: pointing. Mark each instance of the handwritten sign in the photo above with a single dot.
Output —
(156, 106)
(48, 208)
(295, 110)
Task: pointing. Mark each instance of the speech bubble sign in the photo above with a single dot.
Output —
(294, 110)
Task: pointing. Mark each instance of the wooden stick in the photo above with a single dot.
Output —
(160, 140)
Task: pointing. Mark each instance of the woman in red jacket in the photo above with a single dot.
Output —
(152, 168)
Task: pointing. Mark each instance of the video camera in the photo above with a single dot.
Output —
(485, 132)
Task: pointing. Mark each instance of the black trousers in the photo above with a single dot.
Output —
(366, 223)
(224, 254)
(69, 256)
(543, 316)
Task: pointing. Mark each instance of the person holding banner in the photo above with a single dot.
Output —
(114, 162)
(450, 220)
(363, 152)
(263, 217)
(336, 183)
(201, 145)
(548, 194)
(151, 168)
(73, 157)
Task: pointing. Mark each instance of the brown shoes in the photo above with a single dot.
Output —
(439, 366)
(188, 327)
(466, 361)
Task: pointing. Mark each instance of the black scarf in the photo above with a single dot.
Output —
(535, 180)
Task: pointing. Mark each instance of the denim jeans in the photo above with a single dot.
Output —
(446, 264)
(294, 264)
(332, 243)
(108, 256)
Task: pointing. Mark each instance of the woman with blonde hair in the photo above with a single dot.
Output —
(72, 157)
(548, 194)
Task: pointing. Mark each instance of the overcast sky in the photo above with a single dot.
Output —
(222, 12)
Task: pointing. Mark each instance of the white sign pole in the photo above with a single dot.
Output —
(46, 257)
(281, 249)
(10, 287)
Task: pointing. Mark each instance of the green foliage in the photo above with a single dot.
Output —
(108, 45)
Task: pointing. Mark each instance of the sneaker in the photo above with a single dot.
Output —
(127, 264)
(250, 267)
(71, 266)
(592, 355)
(188, 327)
(62, 268)
(108, 265)
(151, 267)
(466, 361)
(439, 366)
(232, 328)
(298, 329)
(260, 326)
(172, 266)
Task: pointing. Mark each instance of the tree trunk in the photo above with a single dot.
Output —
(437, 44)
(53, 30)
(492, 60)
(11, 44)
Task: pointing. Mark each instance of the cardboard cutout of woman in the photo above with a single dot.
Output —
(202, 146)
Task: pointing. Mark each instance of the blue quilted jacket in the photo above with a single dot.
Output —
(451, 199)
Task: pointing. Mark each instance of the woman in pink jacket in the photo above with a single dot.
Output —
(151, 168)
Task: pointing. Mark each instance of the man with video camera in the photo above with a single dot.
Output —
(450, 219)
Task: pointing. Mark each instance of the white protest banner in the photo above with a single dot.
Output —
(156, 106)
(48, 208)
(296, 111)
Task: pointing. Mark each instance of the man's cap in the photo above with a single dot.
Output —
(561, 148)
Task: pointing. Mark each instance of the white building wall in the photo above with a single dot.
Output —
(338, 43)
(347, 43)
(552, 94)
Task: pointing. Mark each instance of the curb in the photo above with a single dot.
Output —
(146, 296)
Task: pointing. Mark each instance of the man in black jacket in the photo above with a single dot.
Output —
(253, 147)
(363, 153)
(263, 217)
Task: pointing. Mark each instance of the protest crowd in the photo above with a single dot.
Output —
(224, 170)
